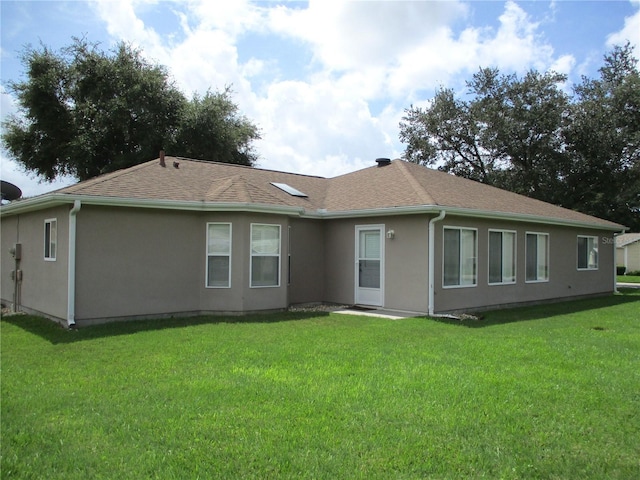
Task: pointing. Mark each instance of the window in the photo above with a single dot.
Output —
(502, 257)
(537, 257)
(265, 255)
(50, 238)
(460, 247)
(587, 253)
(218, 255)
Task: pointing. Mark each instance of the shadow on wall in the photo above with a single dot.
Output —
(538, 312)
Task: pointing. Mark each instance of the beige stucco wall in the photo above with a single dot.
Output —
(307, 260)
(565, 280)
(259, 298)
(44, 282)
(406, 261)
(145, 262)
(629, 256)
(137, 262)
(8, 237)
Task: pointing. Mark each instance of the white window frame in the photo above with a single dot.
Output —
(596, 243)
(50, 244)
(252, 255)
(514, 257)
(218, 254)
(460, 260)
(547, 257)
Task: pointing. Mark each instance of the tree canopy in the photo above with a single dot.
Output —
(84, 112)
(527, 135)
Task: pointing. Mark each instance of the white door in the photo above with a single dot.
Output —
(369, 265)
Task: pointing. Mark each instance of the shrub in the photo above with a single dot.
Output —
(634, 273)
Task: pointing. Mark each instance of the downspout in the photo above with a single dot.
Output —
(615, 261)
(71, 276)
(432, 257)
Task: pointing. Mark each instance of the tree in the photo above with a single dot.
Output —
(508, 134)
(85, 112)
(604, 142)
(528, 136)
(215, 113)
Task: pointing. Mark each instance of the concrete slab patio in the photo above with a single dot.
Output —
(379, 313)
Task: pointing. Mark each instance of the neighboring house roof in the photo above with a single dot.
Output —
(627, 239)
(397, 188)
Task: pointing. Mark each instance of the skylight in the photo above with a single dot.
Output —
(289, 189)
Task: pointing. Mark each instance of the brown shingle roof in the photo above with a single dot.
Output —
(397, 185)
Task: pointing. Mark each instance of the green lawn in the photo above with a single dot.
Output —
(550, 392)
(628, 278)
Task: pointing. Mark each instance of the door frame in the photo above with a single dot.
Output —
(357, 296)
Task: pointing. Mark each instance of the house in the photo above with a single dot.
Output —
(628, 251)
(175, 236)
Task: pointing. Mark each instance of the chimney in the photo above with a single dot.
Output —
(383, 162)
(162, 164)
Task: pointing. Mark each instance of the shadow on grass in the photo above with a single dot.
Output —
(538, 312)
(56, 334)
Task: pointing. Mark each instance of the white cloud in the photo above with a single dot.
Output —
(630, 32)
(122, 23)
(233, 17)
(315, 128)
(564, 64)
(371, 61)
(517, 44)
(353, 35)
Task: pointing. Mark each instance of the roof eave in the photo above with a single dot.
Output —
(465, 212)
(56, 199)
(35, 203)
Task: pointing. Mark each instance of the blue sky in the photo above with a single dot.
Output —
(327, 81)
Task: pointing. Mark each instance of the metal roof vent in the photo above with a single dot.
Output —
(383, 162)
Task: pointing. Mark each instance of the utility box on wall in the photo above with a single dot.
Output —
(16, 251)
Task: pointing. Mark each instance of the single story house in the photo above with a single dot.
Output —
(628, 251)
(176, 236)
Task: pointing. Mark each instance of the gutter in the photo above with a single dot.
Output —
(55, 199)
(71, 268)
(432, 257)
(463, 212)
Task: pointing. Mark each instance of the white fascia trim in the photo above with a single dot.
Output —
(464, 212)
(55, 199)
(52, 200)
(35, 203)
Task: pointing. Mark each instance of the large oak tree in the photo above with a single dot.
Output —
(83, 111)
(529, 136)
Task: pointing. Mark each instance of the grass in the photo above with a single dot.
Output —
(543, 392)
(628, 278)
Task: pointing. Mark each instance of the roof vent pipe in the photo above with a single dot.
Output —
(383, 162)
(162, 164)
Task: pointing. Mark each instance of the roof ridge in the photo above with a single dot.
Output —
(417, 187)
(249, 167)
(105, 177)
